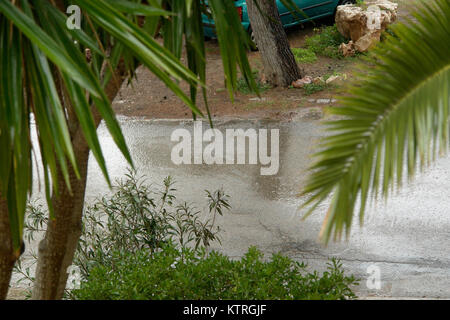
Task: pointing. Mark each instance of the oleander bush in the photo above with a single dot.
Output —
(141, 242)
(137, 216)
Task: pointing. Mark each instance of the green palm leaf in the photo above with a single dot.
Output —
(396, 117)
(45, 71)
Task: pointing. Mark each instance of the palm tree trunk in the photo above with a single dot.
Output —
(280, 67)
(57, 249)
(6, 250)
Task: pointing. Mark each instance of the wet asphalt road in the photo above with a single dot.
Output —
(408, 238)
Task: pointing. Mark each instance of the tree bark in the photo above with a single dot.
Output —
(7, 258)
(63, 232)
(280, 67)
(57, 249)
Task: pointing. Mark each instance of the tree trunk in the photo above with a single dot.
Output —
(7, 258)
(57, 249)
(280, 67)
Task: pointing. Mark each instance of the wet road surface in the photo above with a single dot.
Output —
(407, 238)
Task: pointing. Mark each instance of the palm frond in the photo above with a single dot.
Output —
(396, 116)
(45, 71)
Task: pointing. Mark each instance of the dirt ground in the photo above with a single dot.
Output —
(149, 98)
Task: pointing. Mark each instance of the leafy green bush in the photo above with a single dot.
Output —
(136, 216)
(141, 243)
(326, 42)
(170, 274)
(304, 55)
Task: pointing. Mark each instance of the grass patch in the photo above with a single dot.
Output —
(259, 104)
(326, 42)
(304, 55)
(243, 88)
(315, 87)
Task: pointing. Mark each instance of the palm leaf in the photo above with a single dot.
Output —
(396, 117)
(234, 43)
(46, 72)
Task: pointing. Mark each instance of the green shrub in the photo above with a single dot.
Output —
(169, 274)
(243, 88)
(139, 216)
(304, 55)
(141, 243)
(311, 88)
(136, 216)
(326, 42)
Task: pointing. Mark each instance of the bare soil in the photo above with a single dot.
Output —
(149, 98)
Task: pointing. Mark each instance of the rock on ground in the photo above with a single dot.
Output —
(364, 26)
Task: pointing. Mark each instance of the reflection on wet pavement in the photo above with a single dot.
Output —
(407, 238)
